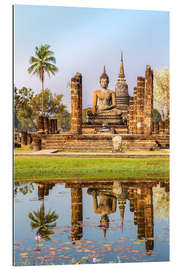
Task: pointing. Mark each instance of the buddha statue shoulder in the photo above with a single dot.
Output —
(104, 98)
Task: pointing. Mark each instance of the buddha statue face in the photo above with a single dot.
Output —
(104, 83)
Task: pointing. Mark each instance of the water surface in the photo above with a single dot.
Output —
(91, 222)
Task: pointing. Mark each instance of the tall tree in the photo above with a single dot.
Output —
(161, 91)
(43, 62)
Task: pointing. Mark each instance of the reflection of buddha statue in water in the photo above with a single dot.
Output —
(105, 96)
(106, 206)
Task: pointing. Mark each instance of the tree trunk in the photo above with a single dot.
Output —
(42, 80)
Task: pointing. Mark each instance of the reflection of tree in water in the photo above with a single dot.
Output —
(42, 222)
(23, 188)
(161, 202)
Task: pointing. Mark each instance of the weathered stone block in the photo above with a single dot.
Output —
(117, 144)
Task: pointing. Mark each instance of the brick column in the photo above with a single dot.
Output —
(161, 127)
(140, 104)
(55, 125)
(29, 138)
(130, 120)
(167, 126)
(50, 126)
(148, 101)
(36, 143)
(76, 213)
(24, 138)
(76, 104)
(40, 124)
(135, 111)
(155, 127)
(46, 124)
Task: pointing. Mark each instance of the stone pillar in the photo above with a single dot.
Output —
(167, 126)
(140, 104)
(148, 101)
(29, 139)
(161, 127)
(46, 125)
(155, 127)
(24, 138)
(55, 125)
(40, 124)
(76, 213)
(50, 126)
(36, 143)
(76, 104)
(149, 224)
(130, 124)
(135, 111)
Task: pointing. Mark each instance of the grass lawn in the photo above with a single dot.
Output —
(23, 149)
(38, 168)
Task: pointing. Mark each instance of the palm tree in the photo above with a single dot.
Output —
(42, 63)
(44, 223)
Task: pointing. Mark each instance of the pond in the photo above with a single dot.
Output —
(103, 221)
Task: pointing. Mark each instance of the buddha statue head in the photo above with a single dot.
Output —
(104, 79)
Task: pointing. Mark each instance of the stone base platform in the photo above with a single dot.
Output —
(88, 128)
(102, 142)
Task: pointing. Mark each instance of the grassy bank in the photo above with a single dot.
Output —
(36, 168)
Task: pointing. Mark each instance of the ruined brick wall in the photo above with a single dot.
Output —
(135, 111)
(130, 115)
(140, 105)
(76, 104)
(148, 101)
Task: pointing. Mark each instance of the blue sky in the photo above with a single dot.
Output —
(85, 39)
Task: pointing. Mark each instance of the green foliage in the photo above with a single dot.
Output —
(156, 116)
(161, 203)
(23, 188)
(23, 110)
(64, 120)
(84, 118)
(52, 103)
(27, 108)
(161, 91)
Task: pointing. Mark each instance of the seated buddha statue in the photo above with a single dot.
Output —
(104, 109)
(104, 96)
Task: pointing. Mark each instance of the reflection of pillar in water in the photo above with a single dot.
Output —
(131, 199)
(43, 190)
(135, 206)
(77, 213)
(140, 214)
(149, 226)
(122, 203)
(40, 191)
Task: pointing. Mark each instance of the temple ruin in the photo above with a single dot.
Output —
(114, 113)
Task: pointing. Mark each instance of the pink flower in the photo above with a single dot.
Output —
(94, 260)
(37, 237)
(37, 250)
